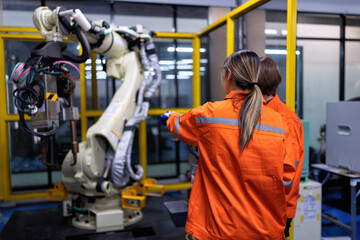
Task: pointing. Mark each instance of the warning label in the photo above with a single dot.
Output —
(310, 208)
(51, 96)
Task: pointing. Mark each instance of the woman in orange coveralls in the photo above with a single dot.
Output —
(269, 80)
(243, 174)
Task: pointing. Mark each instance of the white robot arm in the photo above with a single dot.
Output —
(100, 168)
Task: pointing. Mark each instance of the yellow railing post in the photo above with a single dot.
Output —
(196, 72)
(143, 147)
(230, 36)
(3, 140)
(94, 90)
(83, 100)
(291, 54)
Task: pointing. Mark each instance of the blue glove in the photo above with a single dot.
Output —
(163, 118)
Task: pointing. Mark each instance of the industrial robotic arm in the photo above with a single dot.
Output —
(96, 171)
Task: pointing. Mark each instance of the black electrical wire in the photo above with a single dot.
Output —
(85, 47)
(27, 96)
(26, 99)
(39, 134)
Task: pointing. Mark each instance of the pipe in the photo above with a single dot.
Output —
(44, 151)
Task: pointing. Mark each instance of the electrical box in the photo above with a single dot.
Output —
(47, 115)
(342, 135)
(307, 221)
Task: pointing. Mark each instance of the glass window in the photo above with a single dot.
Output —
(15, 51)
(18, 13)
(352, 62)
(217, 55)
(26, 167)
(27, 170)
(352, 30)
(276, 32)
(204, 70)
(191, 19)
(20, 51)
(318, 25)
(153, 16)
(105, 85)
(320, 81)
(175, 89)
(167, 157)
(352, 70)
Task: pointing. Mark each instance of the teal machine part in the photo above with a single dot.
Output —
(305, 169)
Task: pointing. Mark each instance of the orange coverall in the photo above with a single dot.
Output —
(294, 145)
(235, 195)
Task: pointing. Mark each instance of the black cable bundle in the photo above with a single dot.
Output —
(27, 98)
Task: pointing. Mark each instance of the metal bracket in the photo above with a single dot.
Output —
(134, 197)
(70, 113)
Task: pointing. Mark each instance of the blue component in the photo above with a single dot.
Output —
(163, 118)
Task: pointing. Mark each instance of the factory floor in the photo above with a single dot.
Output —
(44, 221)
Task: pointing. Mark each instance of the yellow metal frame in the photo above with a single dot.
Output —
(291, 54)
(5, 118)
(31, 34)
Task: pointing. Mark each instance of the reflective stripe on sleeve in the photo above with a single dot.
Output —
(234, 122)
(287, 184)
(177, 126)
(296, 163)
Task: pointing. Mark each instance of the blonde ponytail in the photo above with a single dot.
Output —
(244, 68)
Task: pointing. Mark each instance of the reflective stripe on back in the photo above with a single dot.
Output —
(177, 126)
(234, 122)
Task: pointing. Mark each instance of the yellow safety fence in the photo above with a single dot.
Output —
(32, 34)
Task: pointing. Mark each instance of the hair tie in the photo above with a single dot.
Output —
(251, 85)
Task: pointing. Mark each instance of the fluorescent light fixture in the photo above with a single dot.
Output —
(185, 73)
(172, 76)
(278, 51)
(185, 67)
(271, 31)
(166, 62)
(98, 68)
(184, 49)
(284, 32)
(185, 61)
(98, 61)
(275, 51)
(101, 75)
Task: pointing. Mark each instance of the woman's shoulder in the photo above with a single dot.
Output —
(209, 107)
(270, 116)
